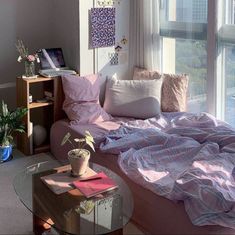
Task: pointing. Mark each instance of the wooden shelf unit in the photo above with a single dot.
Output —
(47, 110)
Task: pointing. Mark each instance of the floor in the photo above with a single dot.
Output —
(15, 219)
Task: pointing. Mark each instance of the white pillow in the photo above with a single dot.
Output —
(133, 98)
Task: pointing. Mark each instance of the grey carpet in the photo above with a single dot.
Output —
(14, 217)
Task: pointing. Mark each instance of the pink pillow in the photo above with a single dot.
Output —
(174, 89)
(81, 89)
(82, 99)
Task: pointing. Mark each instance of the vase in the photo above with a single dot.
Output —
(79, 161)
(29, 69)
(5, 153)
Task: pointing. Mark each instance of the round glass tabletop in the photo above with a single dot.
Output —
(71, 212)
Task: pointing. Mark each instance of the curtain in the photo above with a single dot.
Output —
(144, 35)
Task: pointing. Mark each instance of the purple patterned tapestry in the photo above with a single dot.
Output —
(102, 27)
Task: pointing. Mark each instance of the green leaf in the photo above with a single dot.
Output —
(20, 130)
(65, 139)
(90, 144)
(10, 122)
(87, 133)
(89, 136)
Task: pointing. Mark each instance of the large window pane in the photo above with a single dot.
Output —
(229, 9)
(226, 46)
(184, 33)
(189, 11)
(229, 64)
(190, 57)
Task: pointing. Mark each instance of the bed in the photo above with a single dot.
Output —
(152, 213)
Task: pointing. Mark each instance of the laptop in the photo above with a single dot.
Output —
(52, 63)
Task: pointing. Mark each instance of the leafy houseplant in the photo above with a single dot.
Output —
(78, 156)
(10, 122)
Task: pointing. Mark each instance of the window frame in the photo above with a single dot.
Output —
(219, 32)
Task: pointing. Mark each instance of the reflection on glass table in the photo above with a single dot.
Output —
(71, 212)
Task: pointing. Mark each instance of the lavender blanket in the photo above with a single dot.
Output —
(188, 157)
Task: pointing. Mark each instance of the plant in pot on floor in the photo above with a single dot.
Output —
(79, 156)
(10, 123)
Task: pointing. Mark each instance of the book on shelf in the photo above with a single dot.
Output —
(48, 93)
(61, 182)
(97, 184)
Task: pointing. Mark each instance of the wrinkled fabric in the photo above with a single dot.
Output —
(188, 158)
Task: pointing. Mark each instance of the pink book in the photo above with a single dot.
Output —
(94, 185)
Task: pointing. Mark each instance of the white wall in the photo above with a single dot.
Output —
(55, 23)
(29, 20)
(98, 60)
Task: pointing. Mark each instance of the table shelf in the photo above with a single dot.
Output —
(34, 105)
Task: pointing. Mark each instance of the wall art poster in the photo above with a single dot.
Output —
(102, 27)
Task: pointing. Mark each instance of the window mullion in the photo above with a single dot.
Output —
(211, 56)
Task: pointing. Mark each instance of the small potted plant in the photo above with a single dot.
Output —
(10, 122)
(78, 156)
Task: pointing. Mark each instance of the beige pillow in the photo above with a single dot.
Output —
(174, 93)
(144, 74)
(174, 89)
(132, 98)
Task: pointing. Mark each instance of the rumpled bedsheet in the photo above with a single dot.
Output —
(188, 158)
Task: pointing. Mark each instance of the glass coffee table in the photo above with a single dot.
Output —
(70, 212)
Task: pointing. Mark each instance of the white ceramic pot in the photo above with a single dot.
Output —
(39, 135)
(79, 161)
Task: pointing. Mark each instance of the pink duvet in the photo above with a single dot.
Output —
(188, 158)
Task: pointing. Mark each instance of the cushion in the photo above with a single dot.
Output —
(174, 93)
(82, 99)
(174, 89)
(144, 74)
(133, 98)
(81, 89)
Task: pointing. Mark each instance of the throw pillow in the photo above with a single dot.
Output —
(133, 98)
(144, 74)
(174, 93)
(81, 102)
(174, 89)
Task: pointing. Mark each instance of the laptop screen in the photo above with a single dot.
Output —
(51, 58)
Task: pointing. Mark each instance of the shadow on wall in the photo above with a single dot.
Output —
(30, 21)
(109, 71)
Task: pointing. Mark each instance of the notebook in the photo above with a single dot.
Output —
(62, 182)
(52, 63)
(101, 184)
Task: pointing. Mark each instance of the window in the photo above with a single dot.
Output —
(226, 46)
(198, 39)
(184, 33)
(229, 75)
